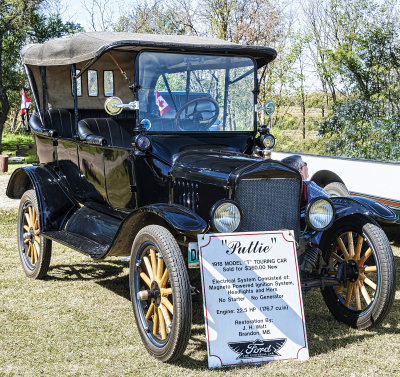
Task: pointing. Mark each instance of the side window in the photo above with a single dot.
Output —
(93, 87)
(108, 83)
(78, 84)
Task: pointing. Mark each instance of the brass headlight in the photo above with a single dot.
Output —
(226, 216)
(320, 213)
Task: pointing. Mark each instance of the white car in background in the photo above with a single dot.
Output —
(342, 176)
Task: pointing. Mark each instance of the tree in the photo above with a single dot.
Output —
(14, 18)
(368, 123)
(22, 22)
(152, 18)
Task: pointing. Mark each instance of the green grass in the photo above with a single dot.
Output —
(10, 140)
(79, 322)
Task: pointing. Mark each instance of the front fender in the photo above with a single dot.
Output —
(350, 205)
(178, 219)
(55, 205)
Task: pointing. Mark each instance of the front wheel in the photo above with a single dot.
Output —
(358, 248)
(34, 249)
(160, 293)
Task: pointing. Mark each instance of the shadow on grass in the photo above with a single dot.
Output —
(324, 332)
(87, 271)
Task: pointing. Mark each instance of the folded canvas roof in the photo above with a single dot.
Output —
(88, 46)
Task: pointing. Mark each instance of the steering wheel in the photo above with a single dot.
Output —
(195, 120)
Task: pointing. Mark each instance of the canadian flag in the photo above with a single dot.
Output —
(162, 104)
(25, 102)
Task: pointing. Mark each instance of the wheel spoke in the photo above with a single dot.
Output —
(37, 239)
(343, 248)
(37, 231)
(163, 330)
(32, 254)
(335, 256)
(167, 304)
(370, 283)
(34, 220)
(160, 267)
(166, 316)
(26, 227)
(360, 242)
(155, 322)
(349, 294)
(150, 311)
(146, 279)
(153, 263)
(28, 220)
(365, 257)
(357, 296)
(164, 279)
(27, 240)
(166, 291)
(364, 293)
(30, 215)
(28, 252)
(148, 267)
(350, 244)
(370, 269)
(37, 251)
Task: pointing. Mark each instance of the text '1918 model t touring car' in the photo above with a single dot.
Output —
(145, 142)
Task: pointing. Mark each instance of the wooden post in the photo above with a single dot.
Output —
(3, 163)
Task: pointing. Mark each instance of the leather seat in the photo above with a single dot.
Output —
(57, 123)
(104, 131)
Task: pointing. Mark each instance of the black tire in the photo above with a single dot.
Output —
(375, 277)
(164, 337)
(34, 249)
(337, 189)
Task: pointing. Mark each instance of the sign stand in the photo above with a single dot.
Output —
(253, 307)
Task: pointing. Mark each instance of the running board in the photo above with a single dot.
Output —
(78, 242)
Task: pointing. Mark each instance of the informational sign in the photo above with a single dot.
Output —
(252, 299)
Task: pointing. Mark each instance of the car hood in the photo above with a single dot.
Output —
(224, 167)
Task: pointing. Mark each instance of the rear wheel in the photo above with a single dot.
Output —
(358, 247)
(160, 293)
(34, 249)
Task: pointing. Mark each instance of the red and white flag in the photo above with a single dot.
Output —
(162, 104)
(25, 102)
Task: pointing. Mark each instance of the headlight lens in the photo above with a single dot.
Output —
(225, 217)
(320, 213)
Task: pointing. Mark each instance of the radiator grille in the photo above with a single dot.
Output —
(269, 204)
(186, 193)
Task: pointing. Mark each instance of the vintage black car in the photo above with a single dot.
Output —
(145, 142)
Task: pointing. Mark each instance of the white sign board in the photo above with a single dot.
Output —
(252, 299)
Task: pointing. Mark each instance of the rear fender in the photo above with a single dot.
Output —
(351, 205)
(55, 205)
(179, 220)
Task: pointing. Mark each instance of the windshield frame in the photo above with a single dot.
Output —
(255, 91)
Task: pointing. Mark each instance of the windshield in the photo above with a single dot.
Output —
(182, 92)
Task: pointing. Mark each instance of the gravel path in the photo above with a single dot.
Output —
(6, 203)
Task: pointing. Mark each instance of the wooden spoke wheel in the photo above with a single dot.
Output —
(34, 249)
(160, 293)
(357, 249)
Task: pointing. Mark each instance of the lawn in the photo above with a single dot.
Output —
(79, 322)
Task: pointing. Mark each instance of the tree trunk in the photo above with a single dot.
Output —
(14, 121)
(5, 107)
(3, 163)
(303, 110)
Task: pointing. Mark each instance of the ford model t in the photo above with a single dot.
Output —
(145, 142)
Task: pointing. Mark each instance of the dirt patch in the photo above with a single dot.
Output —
(5, 202)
